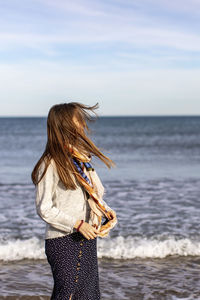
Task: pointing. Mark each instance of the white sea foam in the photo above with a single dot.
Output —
(22, 249)
(115, 248)
(132, 247)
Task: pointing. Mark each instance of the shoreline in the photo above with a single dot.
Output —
(166, 278)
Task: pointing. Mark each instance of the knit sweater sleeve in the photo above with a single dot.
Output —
(108, 208)
(44, 204)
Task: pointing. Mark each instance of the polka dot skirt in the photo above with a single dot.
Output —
(74, 265)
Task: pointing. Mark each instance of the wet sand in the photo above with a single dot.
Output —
(169, 278)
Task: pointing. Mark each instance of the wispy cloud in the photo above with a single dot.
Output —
(61, 23)
(98, 39)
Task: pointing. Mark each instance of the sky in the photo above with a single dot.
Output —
(132, 57)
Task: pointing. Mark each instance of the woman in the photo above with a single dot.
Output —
(69, 199)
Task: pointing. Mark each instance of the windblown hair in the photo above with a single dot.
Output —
(61, 131)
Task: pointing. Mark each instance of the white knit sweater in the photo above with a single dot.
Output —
(59, 207)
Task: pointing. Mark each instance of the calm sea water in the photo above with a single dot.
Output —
(154, 251)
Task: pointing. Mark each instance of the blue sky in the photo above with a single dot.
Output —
(132, 57)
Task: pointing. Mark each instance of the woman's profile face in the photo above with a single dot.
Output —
(76, 122)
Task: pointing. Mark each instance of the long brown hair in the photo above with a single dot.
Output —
(63, 130)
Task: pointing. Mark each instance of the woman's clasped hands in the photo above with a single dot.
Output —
(90, 231)
(87, 230)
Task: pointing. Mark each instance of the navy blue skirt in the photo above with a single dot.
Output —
(74, 264)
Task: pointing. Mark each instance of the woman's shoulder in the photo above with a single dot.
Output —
(52, 162)
(51, 165)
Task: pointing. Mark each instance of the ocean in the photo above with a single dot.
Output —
(154, 250)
